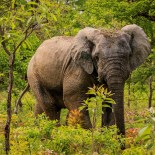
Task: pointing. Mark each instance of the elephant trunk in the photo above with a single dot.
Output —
(117, 88)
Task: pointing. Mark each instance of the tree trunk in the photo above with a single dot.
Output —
(129, 94)
(150, 92)
(129, 91)
(9, 98)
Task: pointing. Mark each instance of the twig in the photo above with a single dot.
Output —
(20, 97)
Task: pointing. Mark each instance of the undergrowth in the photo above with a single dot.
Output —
(30, 136)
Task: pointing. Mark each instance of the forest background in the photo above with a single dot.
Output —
(24, 24)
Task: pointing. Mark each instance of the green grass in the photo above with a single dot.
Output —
(41, 136)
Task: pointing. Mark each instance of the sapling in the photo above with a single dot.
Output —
(100, 97)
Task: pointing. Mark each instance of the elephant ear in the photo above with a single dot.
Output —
(82, 46)
(139, 43)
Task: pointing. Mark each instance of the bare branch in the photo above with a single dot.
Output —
(19, 103)
(5, 48)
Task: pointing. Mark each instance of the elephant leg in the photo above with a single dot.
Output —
(45, 102)
(38, 110)
(107, 117)
(104, 117)
(58, 111)
(75, 86)
(86, 124)
(73, 103)
(107, 114)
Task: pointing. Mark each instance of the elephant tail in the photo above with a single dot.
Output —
(18, 102)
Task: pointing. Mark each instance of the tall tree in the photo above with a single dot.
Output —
(13, 34)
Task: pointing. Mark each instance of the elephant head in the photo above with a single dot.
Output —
(113, 55)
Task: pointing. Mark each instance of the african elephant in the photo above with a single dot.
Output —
(63, 68)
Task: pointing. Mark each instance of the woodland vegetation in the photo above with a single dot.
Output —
(24, 24)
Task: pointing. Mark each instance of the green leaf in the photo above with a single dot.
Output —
(20, 19)
(82, 107)
(33, 3)
(13, 26)
(13, 3)
(144, 133)
(145, 130)
(110, 100)
(28, 21)
(2, 75)
(149, 146)
(24, 46)
(91, 91)
(54, 17)
(27, 42)
(153, 119)
(106, 106)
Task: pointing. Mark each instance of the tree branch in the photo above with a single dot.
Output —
(27, 34)
(4, 41)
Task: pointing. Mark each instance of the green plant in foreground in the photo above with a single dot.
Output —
(146, 135)
(100, 98)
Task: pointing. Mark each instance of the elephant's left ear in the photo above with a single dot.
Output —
(81, 55)
(81, 49)
(139, 44)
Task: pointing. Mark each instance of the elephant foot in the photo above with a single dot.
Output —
(108, 118)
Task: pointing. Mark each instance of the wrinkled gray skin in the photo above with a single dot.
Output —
(63, 68)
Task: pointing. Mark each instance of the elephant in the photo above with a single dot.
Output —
(63, 68)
